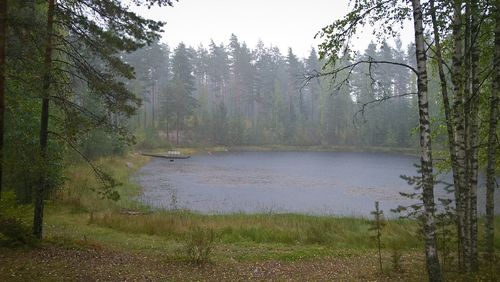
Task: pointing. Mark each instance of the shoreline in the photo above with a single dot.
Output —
(197, 150)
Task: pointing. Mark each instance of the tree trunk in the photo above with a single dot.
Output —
(177, 128)
(153, 99)
(41, 189)
(431, 255)
(145, 116)
(3, 43)
(168, 132)
(473, 133)
(379, 245)
(492, 143)
(458, 117)
(446, 104)
(166, 117)
(467, 94)
(312, 107)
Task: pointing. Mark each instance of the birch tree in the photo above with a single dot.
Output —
(433, 267)
(470, 39)
(387, 14)
(492, 145)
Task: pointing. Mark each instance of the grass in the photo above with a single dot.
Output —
(285, 229)
(78, 210)
(284, 148)
(288, 229)
(78, 220)
(79, 191)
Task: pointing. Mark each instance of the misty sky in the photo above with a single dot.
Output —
(283, 23)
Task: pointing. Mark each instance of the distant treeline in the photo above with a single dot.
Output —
(230, 94)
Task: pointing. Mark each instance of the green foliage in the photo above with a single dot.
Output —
(14, 232)
(388, 14)
(446, 233)
(150, 139)
(396, 255)
(288, 229)
(22, 162)
(100, 143)
(199, 244)
(377, 226)
(83, 191)
(221, 126)
(259, 96)
(84, 83)
(320, 233)
(14, 226)
(237, 131)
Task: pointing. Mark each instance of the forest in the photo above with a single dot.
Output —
(89, 87)
(239, 96)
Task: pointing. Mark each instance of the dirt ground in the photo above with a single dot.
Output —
(55, 263)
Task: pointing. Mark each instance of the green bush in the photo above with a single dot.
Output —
(150, 139)
(318, 233)
(14, 232)
(100, 143)
(199, 244)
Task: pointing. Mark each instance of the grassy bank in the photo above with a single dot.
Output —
(134, 239)
(289, 148)
(81, 188)
(78, 198)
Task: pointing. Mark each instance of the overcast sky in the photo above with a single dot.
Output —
(282, 23)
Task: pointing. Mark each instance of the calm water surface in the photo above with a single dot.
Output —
(339, 183)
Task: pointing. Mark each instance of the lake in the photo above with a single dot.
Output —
(325, 183)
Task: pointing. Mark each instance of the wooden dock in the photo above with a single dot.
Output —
(167, 156)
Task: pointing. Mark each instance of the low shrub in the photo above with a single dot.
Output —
(14, 232)
(199, 244)
(150, 139)
(396, 259)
